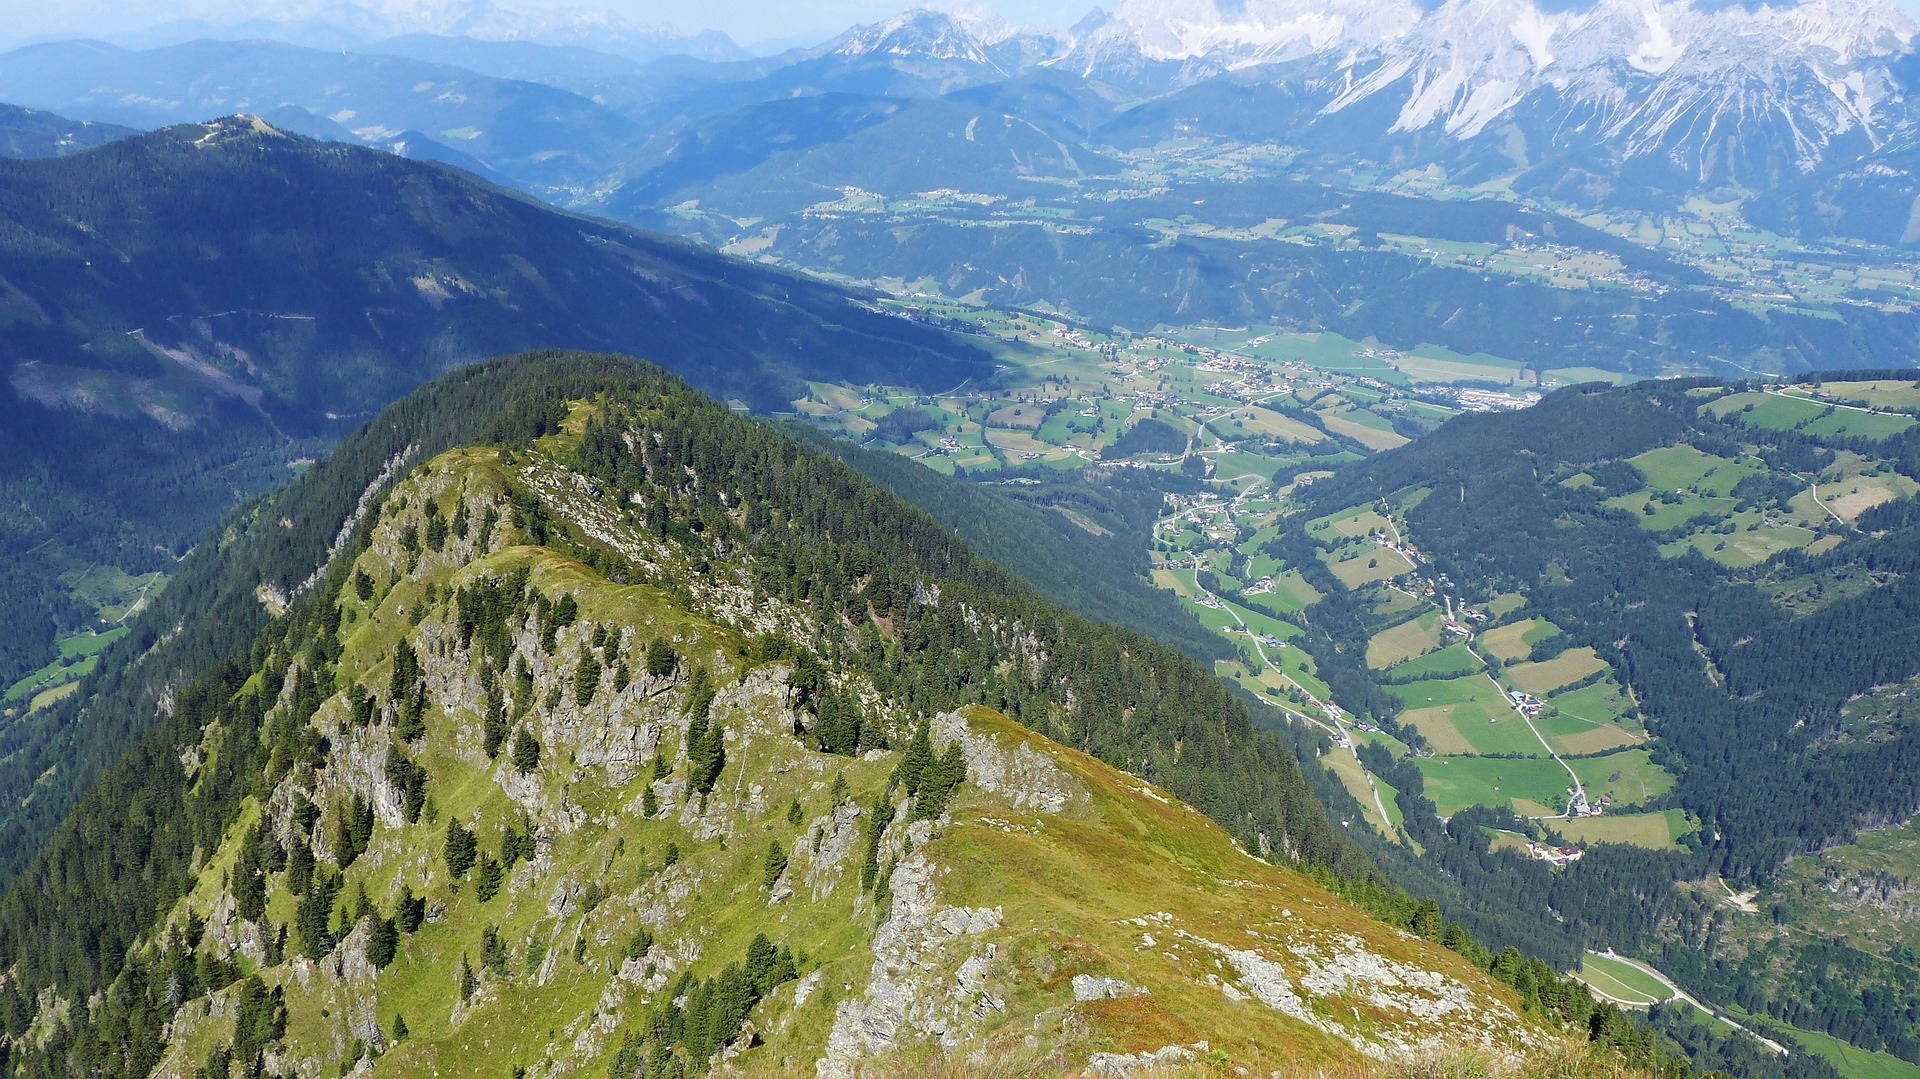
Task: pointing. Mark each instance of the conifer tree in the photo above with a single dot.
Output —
(460, 850)
(526, 751)
(775, 865)
(661, 658)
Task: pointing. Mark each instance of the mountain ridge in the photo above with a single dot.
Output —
(508, 643)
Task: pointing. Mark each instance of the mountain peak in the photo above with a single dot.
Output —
(920, 32)
(1653, 74)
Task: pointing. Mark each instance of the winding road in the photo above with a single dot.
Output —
(1678, 994)
(1343, 737)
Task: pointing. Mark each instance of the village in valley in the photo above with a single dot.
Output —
(1500, 708)
(1245, 417)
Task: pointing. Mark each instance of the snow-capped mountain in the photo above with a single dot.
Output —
(1656, 95)
(1467, 62)
(1715, 91)
(951, 49)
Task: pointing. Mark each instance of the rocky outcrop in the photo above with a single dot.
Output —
(1090, 987)
(908, 994)
(1127, 1065)
(1023, 775)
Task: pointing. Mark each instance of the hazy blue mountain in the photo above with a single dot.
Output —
(191, 310)
(31, 133)
(537, 137)
(609, 79)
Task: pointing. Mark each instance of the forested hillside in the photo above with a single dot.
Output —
(1743, 561)
(193, 312)
(32, 133)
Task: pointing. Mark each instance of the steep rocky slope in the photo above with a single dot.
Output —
(564, 762)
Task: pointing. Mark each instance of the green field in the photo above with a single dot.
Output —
(1870, 425)
(79, 655)
(1669, 511)
(1566, 668)
(1516, 639)
(1574, 734)
(1887, 395)
(1757, 408)
(1352, 523)
(1675, 467)
(1453, 660)
(1602, 702)
(1630, 776)
(1467, 715)
(1412, 638)
(111, 592)
(1366, 563)
(1655, 831)
(1851, 1060)
(1536, 786)
(1622, 980)
(1777, 412)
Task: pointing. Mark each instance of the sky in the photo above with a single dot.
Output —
(760, 25)
(767, 23)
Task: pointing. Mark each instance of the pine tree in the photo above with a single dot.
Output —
(249, 880)
(460, 850)
(941, 778)
(464, 979)
(493, 953)
(526, 751)
(493, 725)
(486, 880)
(706, 754)
(795, 814)
(1427, 920)
(383, 942)
(300, 867)
(661, 658)
(775, 865)
(586, 678)
(411, 911)
(916, 760)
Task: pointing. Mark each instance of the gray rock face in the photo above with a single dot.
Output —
(838, 831)
(1022, 774)
(907, 996)
(1089, 987)
(1300, 977)
(1125, 1065)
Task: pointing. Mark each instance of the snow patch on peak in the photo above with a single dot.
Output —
(1662, 70)
(1658, 50)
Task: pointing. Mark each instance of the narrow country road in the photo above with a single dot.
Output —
(1343, 736)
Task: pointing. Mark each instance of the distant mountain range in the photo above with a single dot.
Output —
(339, 24)
(1603, 101)
(1803, 109)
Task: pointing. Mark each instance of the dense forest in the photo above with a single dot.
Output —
(1099, 575)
